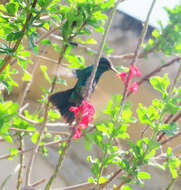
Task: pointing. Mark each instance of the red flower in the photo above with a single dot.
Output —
(122, 76)
(77, 133)
(87, 112)
(75, 110)
(134, 87)
(134, 71)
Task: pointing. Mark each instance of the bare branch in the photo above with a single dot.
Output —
(35, 150)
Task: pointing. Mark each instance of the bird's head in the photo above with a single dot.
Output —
(105, 65)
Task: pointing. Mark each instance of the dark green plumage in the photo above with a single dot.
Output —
(73, 97)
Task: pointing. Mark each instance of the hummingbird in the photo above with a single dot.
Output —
(73, 97)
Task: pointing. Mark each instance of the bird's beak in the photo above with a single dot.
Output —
(113, 69)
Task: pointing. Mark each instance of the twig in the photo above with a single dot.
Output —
(163, 134)
(40, 123)
(169, 96)
(51, 132)
(100, 51)
(111, 178)
(136, 53)
(171, 138)
(21, 98)
(27, 85)
(21, 148)
(59, 163)
(47, 34)
(38, 182)
(83, 186)
(35, 150)
(9, 176)
(61, 157)
(31, 149)
(46, 144)
(155, 71)
(172, 182)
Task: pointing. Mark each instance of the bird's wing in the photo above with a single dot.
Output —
(81, 73)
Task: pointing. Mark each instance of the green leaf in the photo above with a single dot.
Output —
(46, 26)
(143, 175)
(91, 41)
(44, 70)
(102, 180)
(143, 115)
(35, 136)
(171, 107)
(14, 36)
(45, 42)
(76, 61)
(27, 76)
(126, 187)
(12, 8)
(174, 173)
(160, 83)
(99, 29)
(101, 127)
(91, 180)
(14, 151)
(8, 139)
(25, 53)
(170, 128)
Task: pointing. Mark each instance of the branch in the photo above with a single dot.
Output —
(136, 53)
(83, 186)
(100, 51)
(61, 158)
(40, 123)
(21, 148)
(51, 132)
(155, 71)
(35, 150)
(31, 149)
(47, 34)
(9, 176)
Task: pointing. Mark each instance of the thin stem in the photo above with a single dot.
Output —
(142, 37)
(8, 177)
(35, 150)
(40, 123)
(172, 182)
(171, 92)
(51, 132)
(111, 178)
(60, 160)
(46, 144)
(31, 149)
(21, 162)
(47, 34)
(82, 186)
(100, 51)
(136, 53)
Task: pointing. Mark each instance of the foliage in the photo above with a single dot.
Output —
(25, 29)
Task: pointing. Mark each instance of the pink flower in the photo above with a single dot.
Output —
(134, 71)
(87, 112)
(75, 110)
(78, 133)
(122, 76)
(134, 87)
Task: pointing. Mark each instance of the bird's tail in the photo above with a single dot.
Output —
(61, 101)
